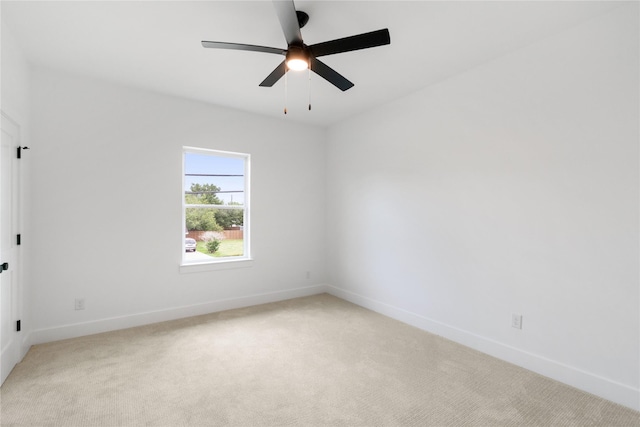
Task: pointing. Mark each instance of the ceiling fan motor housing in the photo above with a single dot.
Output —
(297, 52)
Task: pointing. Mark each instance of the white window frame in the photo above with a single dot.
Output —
(188, 266)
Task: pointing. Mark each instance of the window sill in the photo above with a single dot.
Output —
(197, 267)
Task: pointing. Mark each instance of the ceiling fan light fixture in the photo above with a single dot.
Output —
(297, 58)
(297, 64)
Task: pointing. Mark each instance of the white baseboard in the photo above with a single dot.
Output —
(40, 336)
(26, 344)
(7, 360)
(616, 392)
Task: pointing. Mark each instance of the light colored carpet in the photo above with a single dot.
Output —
(309, 361)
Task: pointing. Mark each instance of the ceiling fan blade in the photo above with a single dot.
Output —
(275, 75)
(286, 12)
(347, 44)
(330, 75)
(240, 46)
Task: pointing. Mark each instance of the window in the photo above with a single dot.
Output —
(215, 201)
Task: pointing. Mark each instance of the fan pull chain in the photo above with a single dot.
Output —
(285, 92)
(309, 88)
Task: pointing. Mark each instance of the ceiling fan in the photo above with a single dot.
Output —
(298, 55)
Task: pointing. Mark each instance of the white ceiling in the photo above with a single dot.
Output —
(155, 45)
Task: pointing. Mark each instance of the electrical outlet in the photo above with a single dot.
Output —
(516, 321)
(79, 303)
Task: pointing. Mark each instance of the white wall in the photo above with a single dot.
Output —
(512, 188)
(107, 164)
(15, 79)
(14, 103)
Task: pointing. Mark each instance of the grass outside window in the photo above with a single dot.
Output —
(228, 248)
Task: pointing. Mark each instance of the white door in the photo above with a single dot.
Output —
(9, 291)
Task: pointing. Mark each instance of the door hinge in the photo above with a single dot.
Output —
(18, 240)
(20, 151)
(18, 326)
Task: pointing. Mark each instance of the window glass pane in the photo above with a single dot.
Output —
(206, 238)
(213, 180)
(214, 205)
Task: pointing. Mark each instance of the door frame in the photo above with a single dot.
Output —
(14, 350)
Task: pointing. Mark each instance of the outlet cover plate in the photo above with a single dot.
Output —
(516, 321)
